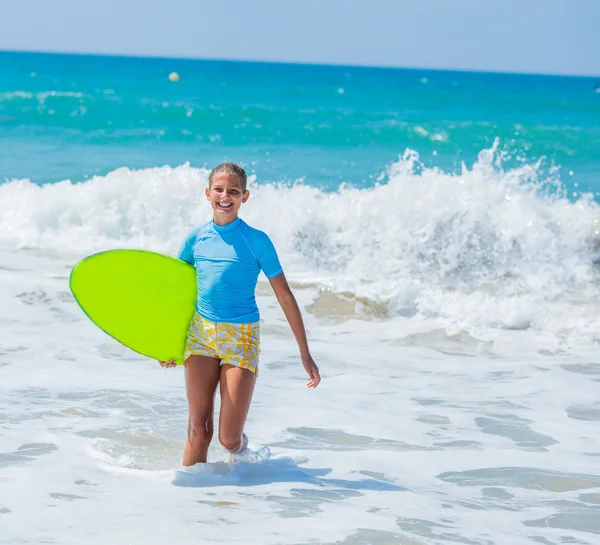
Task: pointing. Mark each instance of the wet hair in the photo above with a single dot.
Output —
(229, 168)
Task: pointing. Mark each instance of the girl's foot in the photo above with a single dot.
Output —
(235, 455)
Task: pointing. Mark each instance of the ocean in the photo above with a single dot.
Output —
(441, 231)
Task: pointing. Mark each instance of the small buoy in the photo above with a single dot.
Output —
(174, 76)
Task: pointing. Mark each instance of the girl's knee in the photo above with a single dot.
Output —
(230, 442)
(200, 432)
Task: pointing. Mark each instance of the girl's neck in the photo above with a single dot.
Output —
(223, 223)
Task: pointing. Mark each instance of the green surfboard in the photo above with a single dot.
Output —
(144, 300)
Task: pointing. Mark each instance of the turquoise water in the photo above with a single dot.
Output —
(74, 116)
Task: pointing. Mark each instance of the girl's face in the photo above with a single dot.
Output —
(226, 196)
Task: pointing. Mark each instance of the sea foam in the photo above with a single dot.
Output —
(485, 247)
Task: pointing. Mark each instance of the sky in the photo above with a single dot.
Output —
(535, 36)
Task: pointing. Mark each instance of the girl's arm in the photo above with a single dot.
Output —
(294, 317)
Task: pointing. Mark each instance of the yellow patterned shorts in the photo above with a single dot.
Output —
(235, 344)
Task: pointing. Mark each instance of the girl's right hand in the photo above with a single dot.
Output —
(314, 377)
(170, 363)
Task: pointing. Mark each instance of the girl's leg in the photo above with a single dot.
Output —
(201, 378)
(237, 387)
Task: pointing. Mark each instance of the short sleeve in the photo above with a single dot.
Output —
(186, 251)
(268, 260)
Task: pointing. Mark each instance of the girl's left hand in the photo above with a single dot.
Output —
(313, 372)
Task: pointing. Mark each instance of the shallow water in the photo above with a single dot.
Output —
(419, 438)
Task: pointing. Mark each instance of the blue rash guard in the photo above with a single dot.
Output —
(228, 261)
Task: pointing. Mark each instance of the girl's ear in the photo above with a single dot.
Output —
(207, 191)
(245, 196)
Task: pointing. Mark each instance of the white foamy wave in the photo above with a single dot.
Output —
(489, 247)
(149, 208)
(486, 247)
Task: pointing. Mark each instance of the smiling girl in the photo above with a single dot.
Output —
(223, 340)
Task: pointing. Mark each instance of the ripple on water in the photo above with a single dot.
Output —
(331, 439)
(581, 518)
(496, 493)
(225, 504)
(435, 530)
(26, 453)
(134, 448)
(522, 477)
(10, 350)
(434, 419)
(116, 351)
(427, 402)
(583, 368)
(368, 536)
(136, 405)
(307, 502)
(460, 445)
(41, 298)
(66, 497)
(459, 344)
(544, 541)
(593, 497)
(515, 428)
(71, 403)
(374, 475)
(590, 412)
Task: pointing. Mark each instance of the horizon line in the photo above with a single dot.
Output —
(296, 63)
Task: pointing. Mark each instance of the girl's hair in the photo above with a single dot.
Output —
(229, 168)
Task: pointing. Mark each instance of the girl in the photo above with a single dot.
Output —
(223, 339)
